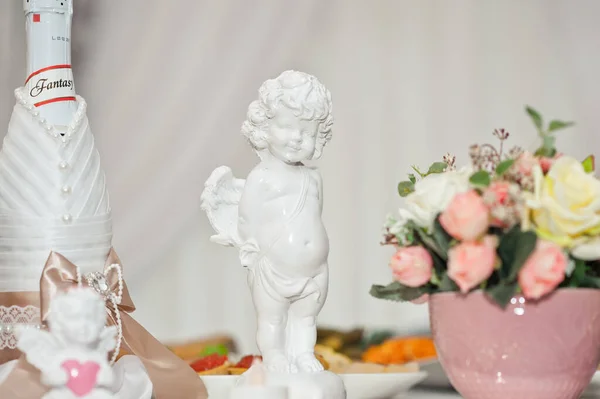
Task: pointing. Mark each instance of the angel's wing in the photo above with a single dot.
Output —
(108, 339)
(39, 346)
(220, 199)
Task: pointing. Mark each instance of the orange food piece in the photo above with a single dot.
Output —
(246, 361)
(210, 363)
(236, 370)
(400, 351)
(323, 361)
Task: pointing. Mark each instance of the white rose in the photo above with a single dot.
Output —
(433, 194)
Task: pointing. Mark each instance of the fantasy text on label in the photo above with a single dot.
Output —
(46, 85)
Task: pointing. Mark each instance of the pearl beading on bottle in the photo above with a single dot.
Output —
(65, 137)
(50, 129)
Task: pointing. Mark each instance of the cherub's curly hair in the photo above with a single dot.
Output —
(294, 90)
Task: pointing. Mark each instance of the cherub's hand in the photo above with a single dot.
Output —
(106, 377)
(56, 377)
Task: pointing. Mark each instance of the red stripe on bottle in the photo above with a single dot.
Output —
(47, 69)
(36, 18)
(55, 100)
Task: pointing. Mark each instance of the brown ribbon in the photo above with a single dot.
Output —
(171, 377)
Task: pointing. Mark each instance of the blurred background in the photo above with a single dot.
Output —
(168, 84)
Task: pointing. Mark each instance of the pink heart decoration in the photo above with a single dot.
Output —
(82, 376)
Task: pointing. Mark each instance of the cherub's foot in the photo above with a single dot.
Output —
(276, 362)
(308, 363)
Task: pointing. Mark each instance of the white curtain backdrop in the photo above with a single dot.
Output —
(168, 83)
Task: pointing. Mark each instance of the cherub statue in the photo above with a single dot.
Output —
(73, 355)
(274, 217)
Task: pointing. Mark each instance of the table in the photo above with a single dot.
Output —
(432, 394)
(438, 394)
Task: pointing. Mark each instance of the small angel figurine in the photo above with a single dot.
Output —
(73, 355)
(274, 217)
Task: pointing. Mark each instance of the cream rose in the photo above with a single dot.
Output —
(433, 194)
(565, 207)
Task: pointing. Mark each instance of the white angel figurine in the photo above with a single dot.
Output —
(274, 217)
(73, 355)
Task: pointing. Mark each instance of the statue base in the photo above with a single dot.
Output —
(320, 385)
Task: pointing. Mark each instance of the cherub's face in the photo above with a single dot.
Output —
(80, 327)
(291, 139)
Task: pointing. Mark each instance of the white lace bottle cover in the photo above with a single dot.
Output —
(53, 197)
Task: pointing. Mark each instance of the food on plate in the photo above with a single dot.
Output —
(354, 342)
(341, 364)
(400, 351)
(373, 368)
(340, 341)
(193, 350)
(214, 364)
(354, 352)
(243, 365)
(334, 361)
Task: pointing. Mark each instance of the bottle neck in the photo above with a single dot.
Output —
(49, 83)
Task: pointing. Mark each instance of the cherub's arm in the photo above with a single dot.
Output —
(106, 375)
(319, 179)
(250, 212)
(54, 376)
(320, 182)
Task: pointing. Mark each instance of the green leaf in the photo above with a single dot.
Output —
(514, 249)
(405, 188)
(439, 264)
(412, 178)
(558, 125)
(435, 280)
(219, 349)
(589, 164)
(447, 285)
(428, 242)
(442, 238)
(397, 292)
(414, 167)
(590, 282)
(481, 178)
(504, 166)
(525, 247)
(502, 293)
(578, 275)
(535, 117)
(549, 142)
(545, 152)
(437, 167)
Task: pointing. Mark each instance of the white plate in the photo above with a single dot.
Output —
(358, 386)
(436, 376)
(380, 386)
(218, 386)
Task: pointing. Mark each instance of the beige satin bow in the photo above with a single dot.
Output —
(171, 377)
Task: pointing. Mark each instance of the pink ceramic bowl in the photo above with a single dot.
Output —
(546, 349)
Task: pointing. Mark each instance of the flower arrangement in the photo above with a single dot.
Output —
(513, 222)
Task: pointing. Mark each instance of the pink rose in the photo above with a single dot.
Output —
(546, 162)
(471, 263)
(412, 266)
(525, 163)
(498, 199)
(543, 271)
(500, 190)
(466, 218)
